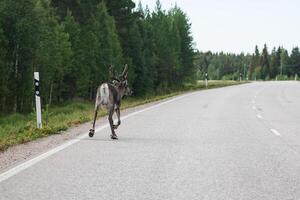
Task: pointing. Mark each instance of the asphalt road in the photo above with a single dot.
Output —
(239, 142)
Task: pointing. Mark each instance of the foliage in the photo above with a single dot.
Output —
(73, 43)
(258, 66)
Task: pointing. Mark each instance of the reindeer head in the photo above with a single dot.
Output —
(121, 81)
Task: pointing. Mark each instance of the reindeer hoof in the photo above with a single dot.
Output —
(92, 132)
(114, 137)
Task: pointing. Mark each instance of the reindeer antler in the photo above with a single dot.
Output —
(112, 73)
(125, 71)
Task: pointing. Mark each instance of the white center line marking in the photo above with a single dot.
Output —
(259, 116)
(275, 132)
(17, 169)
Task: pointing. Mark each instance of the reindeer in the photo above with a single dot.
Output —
(110, 95)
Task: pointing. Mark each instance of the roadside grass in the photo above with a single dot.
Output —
(18, 128)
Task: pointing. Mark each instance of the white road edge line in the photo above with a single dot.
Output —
(259, 116)
(275, 132)
(17, 169)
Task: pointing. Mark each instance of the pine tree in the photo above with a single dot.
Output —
(72, 44)
(75, 70)
(274, 64)
(4, 71)
(89, 54)
(284, 62)
(20, 25)
(255, 63)
(295, 61)
(264, 62)
(110, 51)
(146, 74)
(122, 11)
(53, 55)
(185, 48)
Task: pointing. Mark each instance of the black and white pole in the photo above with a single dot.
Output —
(206, 80)
(240, 77)
(38, 99)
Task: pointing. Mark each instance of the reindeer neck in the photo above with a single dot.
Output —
(120, 91)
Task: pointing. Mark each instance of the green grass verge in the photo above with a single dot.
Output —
(17, 128)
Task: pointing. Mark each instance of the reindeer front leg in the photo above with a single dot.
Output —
(111, 123)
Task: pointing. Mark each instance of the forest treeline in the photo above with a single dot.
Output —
(73, 43)
(261, 65)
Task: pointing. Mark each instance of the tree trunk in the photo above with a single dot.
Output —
(50, 95)
(16, 77)
(3, 104)
(91, 90)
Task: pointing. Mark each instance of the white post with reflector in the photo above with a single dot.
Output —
(38, 99)
(206, 79)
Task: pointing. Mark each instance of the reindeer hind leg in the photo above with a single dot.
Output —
(111, 123)
(118, 115)
(92, 130)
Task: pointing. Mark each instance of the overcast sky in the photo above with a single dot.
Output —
(238, 25)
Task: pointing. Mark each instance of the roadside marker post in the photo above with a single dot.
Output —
(206, 80)
(38, 99)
